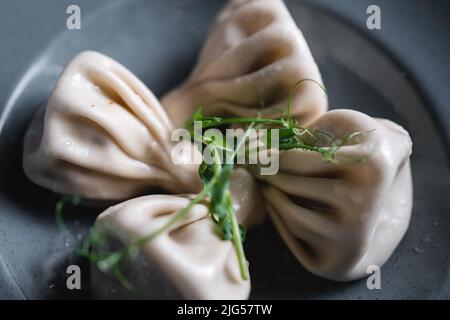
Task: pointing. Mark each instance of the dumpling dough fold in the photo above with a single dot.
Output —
(252, 57)
(247, 198)
(189, 260)
(340, 218)
(104, 136)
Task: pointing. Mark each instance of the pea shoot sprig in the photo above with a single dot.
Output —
(291, 135)
(216, 178)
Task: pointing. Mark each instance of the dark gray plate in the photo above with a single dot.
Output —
(159, 42)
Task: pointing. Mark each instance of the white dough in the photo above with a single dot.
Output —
(189, 260)
(104, 136)
(252, 57)
(338, 219)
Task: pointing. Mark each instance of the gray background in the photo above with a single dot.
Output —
(415, 32)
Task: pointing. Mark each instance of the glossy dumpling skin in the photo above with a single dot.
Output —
(104, 136)
(247, 198)
(188, 261)
(338, 219)
(252, 57)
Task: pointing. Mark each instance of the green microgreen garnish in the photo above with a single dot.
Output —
(216, 178)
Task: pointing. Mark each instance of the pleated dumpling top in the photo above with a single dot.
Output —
(104, 136)
(252, 58)
(340, 218)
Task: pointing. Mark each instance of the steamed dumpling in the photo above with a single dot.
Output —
(188, 261)
(253, 56)
(338, 219)
(104, 136)
(247, 198)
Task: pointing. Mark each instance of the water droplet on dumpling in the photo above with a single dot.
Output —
(279, 67)
(68, 143)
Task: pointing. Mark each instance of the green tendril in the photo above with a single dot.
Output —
(291, 93)
(216, 179)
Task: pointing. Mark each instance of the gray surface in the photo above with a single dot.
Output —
(416, 33)
(357, 72)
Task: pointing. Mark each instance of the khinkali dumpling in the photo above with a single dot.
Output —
(104, 136)
(340, 218)
(190, 260)
(253, 56)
